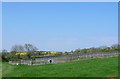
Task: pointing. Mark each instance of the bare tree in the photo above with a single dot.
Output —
(30, 48)
(18, 48)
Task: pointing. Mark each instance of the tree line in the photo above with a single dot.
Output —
(29, 51)
(113, 48)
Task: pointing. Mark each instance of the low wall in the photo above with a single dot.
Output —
(65, 58)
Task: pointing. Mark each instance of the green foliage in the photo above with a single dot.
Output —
(5, 57)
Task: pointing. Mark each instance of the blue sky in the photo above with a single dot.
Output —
(60, 26)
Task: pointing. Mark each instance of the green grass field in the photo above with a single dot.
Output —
(101, 67)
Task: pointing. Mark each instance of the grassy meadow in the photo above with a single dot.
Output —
(99, 67)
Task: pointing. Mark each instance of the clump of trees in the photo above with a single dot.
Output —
(26, 48)
(5, 55)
